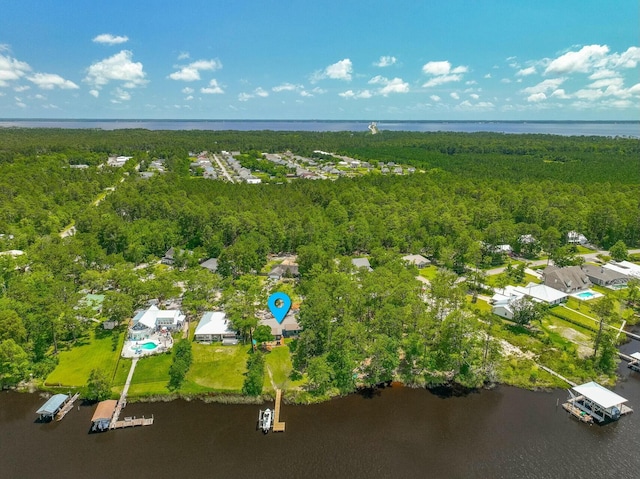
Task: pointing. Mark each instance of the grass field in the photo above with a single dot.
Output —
(278, 361)
(429, 272)
(98, 352)
(216, 368)
(151, 375)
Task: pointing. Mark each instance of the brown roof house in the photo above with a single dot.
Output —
(568, 280)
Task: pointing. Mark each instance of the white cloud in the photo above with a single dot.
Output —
(577, 62)
(607, 83)
(395, 85)
(364, 94)
(544, 86)
(440, 80)
(11, 69)
(560, 94)
(212, 89)
(189, 98)
(604, 73)
(315, 91)
(187, 91)
(341, 70)
(287, 87)
(49, 81)
(536, 97)
(191, 72)
(505, 80)
(118, 67)
(466, 105)
(442, 73)
(526, 72)
(110, 39)
(488, 75)
(94, 93)
(435, 98)
(184, 56)
(471, 82)
(635, 89)
(21, 88)
(121, 95)
(436, 68)
(628, 59)
(260, 92)
(475, 96)
(454, 95)
(385, 61)
(588, 94)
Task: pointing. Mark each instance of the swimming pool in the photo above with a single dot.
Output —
(585, 295)
(148, 346)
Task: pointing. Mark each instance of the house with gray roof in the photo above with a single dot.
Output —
(362, 263)
(604, 276)
(569, 279)
(417, 260)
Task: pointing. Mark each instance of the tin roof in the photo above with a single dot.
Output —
(599, 395)
(53, 404)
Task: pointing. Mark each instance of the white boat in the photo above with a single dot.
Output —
(265, 420)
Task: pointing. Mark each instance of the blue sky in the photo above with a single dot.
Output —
(324, 59)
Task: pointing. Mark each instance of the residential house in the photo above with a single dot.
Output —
(168, 257)
(604, 276)
(211, 264)
(288, 268)
(573, 237)
(569, 279)
(288, 328)
(146, 322)
(215, 327)
(118, 161)
(624, 267)
(417, 260)
(362, 263)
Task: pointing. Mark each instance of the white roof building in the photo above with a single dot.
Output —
(537, 292)
(599, 395)
(213, 326)
(154, 317)
(624, 267)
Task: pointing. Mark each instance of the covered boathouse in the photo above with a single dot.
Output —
(102, 416)
(52, 406)
(597, 402)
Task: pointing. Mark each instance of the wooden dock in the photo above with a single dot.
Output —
(577, 413)
(67, 407)
(132, 422)
(278, 426)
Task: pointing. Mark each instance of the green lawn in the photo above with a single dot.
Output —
(528, 278)
(151, 375)
(98, 352)
(429, 272)
(278, 361)
(216, 368)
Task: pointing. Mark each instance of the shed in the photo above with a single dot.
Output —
(52, 406)
(103, 414)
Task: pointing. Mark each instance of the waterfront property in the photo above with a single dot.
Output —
(147, 322)
(215, 327)
(597, 402)
(53, 405)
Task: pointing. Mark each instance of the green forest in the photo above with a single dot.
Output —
(470, 193)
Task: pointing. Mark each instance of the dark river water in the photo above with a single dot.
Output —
(398, 432)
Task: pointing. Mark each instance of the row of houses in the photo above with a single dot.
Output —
(573, 237)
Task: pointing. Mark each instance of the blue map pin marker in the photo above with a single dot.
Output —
(279, 312)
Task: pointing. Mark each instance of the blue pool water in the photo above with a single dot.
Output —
(585, 295)
(148, 346)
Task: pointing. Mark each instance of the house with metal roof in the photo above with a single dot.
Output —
(624, 267)
(215, 327)
(417, 260)
(362, 263)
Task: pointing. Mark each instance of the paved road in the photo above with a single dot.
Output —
(224, 170)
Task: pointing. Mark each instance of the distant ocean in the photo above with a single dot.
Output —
(564, 128)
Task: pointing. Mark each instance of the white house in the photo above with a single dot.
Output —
(362, 263)
(537, 292)
(417, 259)
(146, 322)
(573, 237)
(214, 326)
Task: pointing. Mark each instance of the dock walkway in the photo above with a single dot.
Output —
(67, 407)
(278, 426)
(132, 422)
(127, 422)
